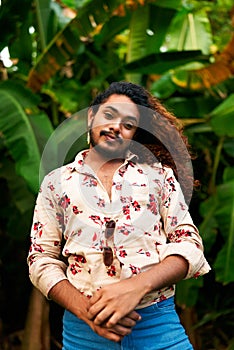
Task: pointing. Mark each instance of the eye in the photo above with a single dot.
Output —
(129, 125)
(108, 115)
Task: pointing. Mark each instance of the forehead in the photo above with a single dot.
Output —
(121, 104)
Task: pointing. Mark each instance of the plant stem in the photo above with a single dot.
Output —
(216, 164)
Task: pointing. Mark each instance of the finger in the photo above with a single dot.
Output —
(113, 319)
(120, 330)
(109, 333)
(103, 316)
(127, 322)
(134, 315)
(94, 298)
(94, 310)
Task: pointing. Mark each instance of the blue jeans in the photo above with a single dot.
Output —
(159, 329)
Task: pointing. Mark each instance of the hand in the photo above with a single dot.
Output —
(114, 303)
(118, 331)
(65, 294)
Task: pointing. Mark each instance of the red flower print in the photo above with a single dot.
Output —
(111, 271)
(60, 219)
(56, 243)
(178, 235)
(80, 258)
(84, 154)
(31, 260)
(118, 186)
(182, 206)
(95, 219)
(196, 275)
(106, 219)
(162, 297)
(64, 202)
(76, 210)
(135, 270)
(152, 206)
(73, 269)
(140, 171)
(101, 203)
(51, 187)
(51, 204)
(126, 211)
(38, 228)
(141, 251)
(147, 234)
(89, 181)
(136, 206)
(124, 230)
(126, 199)
(122, 253)
(122, 172)
(174, 220)
(37, 248)
(171, 182)
(130, 163)
(79, 232)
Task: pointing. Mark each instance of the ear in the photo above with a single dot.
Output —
(90, 117)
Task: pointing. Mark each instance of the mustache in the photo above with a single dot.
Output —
(111, 134)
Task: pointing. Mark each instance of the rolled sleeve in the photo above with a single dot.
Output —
(198, 265)
(45, 266)
(182, 235)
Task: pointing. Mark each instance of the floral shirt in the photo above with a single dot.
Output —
(151, 222)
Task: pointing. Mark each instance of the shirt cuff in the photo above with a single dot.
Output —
(198, 265)
(44, 276)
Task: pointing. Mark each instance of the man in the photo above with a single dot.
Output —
(129, 237)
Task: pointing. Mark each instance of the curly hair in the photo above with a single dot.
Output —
(159, 135)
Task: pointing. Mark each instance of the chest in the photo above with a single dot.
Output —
(106, 179)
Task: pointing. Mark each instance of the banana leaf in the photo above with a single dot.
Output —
(159, 63)
(225, 217)
(222, 120)
(67, 43)
(67, 140)
(19, 138)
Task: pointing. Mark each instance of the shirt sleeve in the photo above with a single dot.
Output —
(45, 266)
(182, 235)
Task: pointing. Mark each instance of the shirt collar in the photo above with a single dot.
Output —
(80, 166)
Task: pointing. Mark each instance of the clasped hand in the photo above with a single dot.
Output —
(113, 307)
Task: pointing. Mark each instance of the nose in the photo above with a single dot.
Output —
(115, 125)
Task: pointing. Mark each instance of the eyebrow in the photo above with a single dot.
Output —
(115, 110)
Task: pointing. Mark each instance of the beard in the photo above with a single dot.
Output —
(110, 149)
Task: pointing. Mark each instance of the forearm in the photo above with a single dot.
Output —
(169, 271)
(70, 298)
(113, 302)
(66, 295)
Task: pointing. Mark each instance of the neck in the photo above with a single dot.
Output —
(96, 160)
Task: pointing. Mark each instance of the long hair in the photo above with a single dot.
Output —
(159, 135)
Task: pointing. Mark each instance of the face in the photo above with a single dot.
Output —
(113, 126)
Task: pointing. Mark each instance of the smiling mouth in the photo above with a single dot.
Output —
(110, 136)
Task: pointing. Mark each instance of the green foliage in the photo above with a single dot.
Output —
(222, 118)
(19, 138)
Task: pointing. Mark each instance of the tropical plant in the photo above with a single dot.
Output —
(63, 52)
